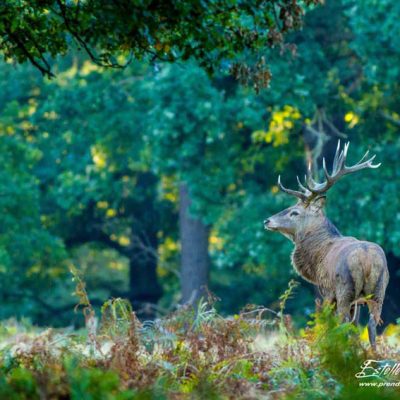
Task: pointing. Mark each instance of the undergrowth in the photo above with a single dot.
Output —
(191, 354)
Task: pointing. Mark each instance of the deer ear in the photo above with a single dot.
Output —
(319, 202)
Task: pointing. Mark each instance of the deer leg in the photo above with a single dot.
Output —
(343, 310)
(372, 331)
(344, 290)
(355, 314)
(375, 308)
(344, 298)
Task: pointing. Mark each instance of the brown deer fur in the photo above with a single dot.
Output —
(344, 268)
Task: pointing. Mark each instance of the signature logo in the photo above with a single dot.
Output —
(387, 369)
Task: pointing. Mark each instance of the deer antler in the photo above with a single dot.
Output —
(303, 196)
(312, 189)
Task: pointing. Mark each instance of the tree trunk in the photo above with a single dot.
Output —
(144, 288)
(195, 260)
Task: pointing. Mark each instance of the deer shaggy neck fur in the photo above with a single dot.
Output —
(311, 248)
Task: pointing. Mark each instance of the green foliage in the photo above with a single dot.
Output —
(338, 344)
(381, 67)
(94, 384)
(18, 384)
(207, 356)
(282, 304)
(105, 181)
(341, 354)
(209, 32)
(91, 166)
(94, 158)
(116, 314)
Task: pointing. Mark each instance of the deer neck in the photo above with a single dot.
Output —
(311, 248)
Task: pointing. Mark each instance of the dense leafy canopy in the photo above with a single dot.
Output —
(92, 160)
(114, 32)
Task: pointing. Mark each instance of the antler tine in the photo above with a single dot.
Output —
(301, 186)
(361, 165)
(339, 169)
(342, 159)
(363, 157)
(311, 189)
(327, 176)
(346, 148)
(335, 159)
(370, 165)
(296, 193)
(311, 185)
(340, 165)
(369, 161)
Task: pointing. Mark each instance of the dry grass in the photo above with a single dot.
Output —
(192, 355)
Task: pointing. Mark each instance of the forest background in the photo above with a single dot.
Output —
(153, 180)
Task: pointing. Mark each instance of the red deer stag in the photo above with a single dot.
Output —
(344, 268)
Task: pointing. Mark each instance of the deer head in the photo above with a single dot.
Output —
(308, 213)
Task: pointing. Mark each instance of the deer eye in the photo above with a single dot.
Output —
(294, 213)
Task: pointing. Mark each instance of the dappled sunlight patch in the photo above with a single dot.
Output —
(266, 343)
(391, 335)
(99, 157)
(88, 67)
(216, 242)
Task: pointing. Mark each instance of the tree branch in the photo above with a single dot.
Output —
(83, 43)
(44, 70)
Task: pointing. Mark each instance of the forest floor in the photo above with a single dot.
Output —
(256, 354)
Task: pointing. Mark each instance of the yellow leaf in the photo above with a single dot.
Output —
(98, 156)
(51, 115)
(392, 330)
(110, 213)
(102, 204)
(216, 243)
(124, 241)
(364, 335)
(352, 119)
(274, 189)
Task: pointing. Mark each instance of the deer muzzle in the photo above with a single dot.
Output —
(269, 225)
